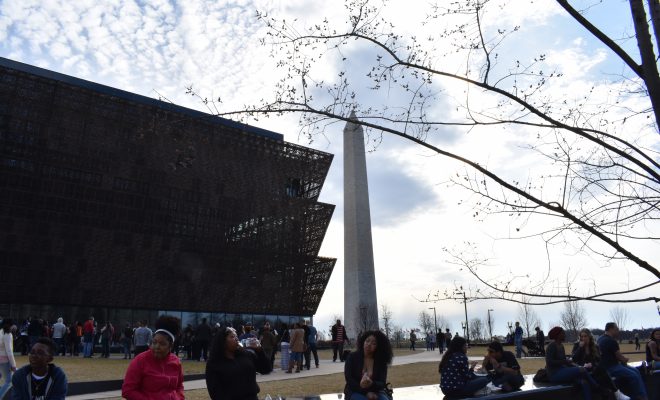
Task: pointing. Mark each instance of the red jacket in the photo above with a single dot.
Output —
(88, 327)
(148, 378)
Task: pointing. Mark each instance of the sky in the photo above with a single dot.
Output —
(158, 48)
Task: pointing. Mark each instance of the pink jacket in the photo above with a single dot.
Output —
(148, 378)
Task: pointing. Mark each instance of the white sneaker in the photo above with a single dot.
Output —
(620, 396)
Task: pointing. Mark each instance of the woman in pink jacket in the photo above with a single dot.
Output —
(156, 374)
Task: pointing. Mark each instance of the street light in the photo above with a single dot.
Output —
(435, 320)
(464, 326)
(466, 332)
(490, 325)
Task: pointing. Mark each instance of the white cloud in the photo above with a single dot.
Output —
(167, 45)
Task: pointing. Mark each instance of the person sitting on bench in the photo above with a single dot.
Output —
(504, 368)
(562, 370)
(457, 379)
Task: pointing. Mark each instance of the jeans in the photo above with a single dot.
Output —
(518, 342)
(59, 346)
(126, 343)
(575, 374)
(311, 349)
(88, 345)
(5, 370)
(360, 396)
(631, 377)
(470, 387)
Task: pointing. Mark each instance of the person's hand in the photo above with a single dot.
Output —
(366, 381)
(372, 396)
(13, 369)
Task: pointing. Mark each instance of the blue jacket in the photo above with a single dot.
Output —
(22, 384)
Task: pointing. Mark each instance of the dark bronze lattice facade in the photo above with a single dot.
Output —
(112, 199)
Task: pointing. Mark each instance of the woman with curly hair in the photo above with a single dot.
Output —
(457, 378)
(231, 372)
(156, 374)
(366, 369)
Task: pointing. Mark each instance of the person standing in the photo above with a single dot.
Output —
(268, 343)
(637, 345)
(202, 339)
(59, 336)
(7, 361)
(311, 346)
(127, 340)
(88, 338)
(440, 340)
(188, 335)
(35, 330)
(517, 339)
(615, 363)
(306, 354)
(540, 340)
(413, 339)
(107, 332)
(142, 338)
(447, 338)
(297, 347)
(338, 333)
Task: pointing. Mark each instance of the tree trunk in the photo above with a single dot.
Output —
(649, 66)
(654, 9)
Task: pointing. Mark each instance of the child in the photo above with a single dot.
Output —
(40, 379)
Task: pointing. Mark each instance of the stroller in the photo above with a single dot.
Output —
(533, 349)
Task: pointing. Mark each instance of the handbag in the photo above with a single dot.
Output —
(541, 376)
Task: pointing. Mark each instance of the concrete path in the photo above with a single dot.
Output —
(326, 367)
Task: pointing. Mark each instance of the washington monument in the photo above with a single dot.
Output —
(360, 303)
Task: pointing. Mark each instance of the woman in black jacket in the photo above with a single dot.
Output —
(366, 369)
(231, 369)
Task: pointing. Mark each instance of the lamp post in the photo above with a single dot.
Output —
(490, 325)
(510, 325)
(466, 329)
(435, 320)
(464, 326)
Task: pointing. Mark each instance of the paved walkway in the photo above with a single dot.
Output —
(327, 367)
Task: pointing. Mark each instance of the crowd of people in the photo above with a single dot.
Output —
(234, 356)
(594, 366)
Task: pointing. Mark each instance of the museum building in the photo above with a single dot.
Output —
(123, 207)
